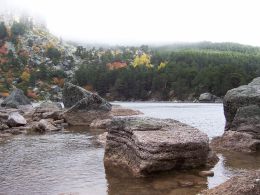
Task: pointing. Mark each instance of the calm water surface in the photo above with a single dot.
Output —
(71, 162)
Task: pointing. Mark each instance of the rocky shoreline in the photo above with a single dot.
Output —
(18, 116)
(142, 145)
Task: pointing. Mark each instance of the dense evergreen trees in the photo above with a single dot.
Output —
(3, 30)
(176, 73)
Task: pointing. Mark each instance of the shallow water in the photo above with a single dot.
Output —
(71, 162)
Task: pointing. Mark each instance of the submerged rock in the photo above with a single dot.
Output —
(85, 107)
(15, 99)
(245, 184)
(15, 120)
(146, 145)
(42, 126)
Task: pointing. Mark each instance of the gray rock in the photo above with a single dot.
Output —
(82, 99)
(242, 96)
(46, 125)
(206, 97)
(15, 99)
(146, 145)
(100, 124)
(84, 105)
(3, 126)
(50, 105)
(15, 119)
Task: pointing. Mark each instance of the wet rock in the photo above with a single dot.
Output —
(48, 110)
(100, 124)
(85, 106)
(245, 184)
(184, 183)
(206, 173)
(3, 126)
(146, 145)
(237, 141)
(15, 99)
(15, 119)
(212, 159)
(102, 138)
(58, 121)
(44, 125)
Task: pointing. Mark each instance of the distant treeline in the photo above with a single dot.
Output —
(170, 72)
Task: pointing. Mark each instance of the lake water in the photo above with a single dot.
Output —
(71, 162)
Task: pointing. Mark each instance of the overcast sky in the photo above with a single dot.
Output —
(149, 21)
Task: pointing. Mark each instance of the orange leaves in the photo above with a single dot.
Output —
(116, 65)
(4, 94)
(58, 81)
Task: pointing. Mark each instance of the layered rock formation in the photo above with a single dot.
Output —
(242, 112)
(84, 106)
(146, 145)
(15, 99)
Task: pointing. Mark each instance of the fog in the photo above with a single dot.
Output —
(147, 21)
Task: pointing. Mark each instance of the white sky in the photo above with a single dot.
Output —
(150, 21)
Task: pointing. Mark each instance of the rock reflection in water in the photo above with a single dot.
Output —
(172, 183)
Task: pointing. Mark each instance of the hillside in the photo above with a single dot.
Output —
(33, 59)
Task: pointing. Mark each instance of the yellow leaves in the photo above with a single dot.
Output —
(162, 65)
(25, 76)
(143, 59)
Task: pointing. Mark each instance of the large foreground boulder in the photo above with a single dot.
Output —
(15, 99)
(245, 184)
(84, 106)
(146, 145)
